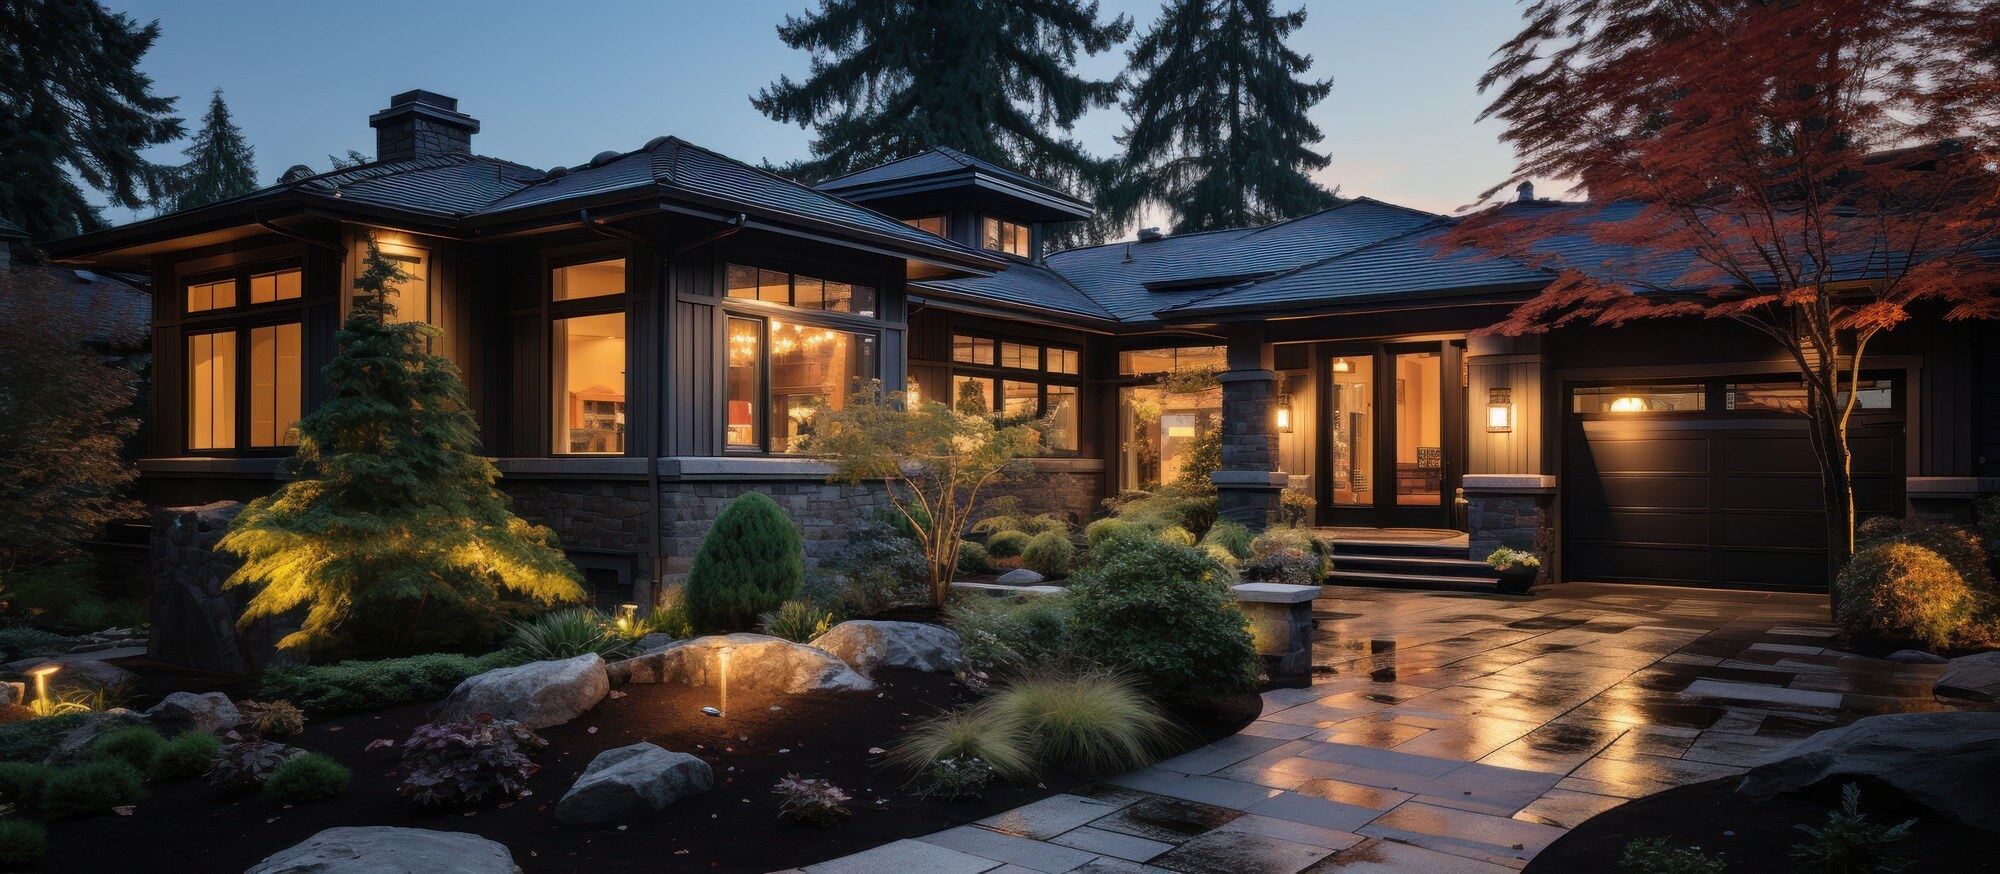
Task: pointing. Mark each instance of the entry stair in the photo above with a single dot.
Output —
(1422, 565)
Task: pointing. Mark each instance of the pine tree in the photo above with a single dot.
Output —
(995, 79)
(220, 164)
(751, 561)
(74, 106)
(1218, 132)
(389, 529)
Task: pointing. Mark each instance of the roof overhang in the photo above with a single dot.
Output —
(973, 304)
(1030, 202)
(1224, 311)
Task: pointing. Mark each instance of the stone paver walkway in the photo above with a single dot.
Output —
(1455, 733)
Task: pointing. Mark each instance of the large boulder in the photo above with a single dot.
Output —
(1019, 576)
(1973, 678)
(757, 663)
(78, 671)
(390, 850)
(212, 713)
(633, 781)
(867, 644)
(1944, 761)
(536, 695)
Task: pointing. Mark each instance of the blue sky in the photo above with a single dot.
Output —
(554, 83)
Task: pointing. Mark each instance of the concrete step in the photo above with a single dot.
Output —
(1422, 565)
(1426, 582)
(1416, 548)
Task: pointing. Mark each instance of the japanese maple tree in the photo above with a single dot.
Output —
(1818, 170)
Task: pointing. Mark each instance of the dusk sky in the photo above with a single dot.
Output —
(555, 83)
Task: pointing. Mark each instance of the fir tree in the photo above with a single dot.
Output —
(1218, 132)
(74, 107)
(220, 164)
(992, 78)
(390, 531)
(751, 561)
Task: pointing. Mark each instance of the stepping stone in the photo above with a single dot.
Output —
(1241, 851)
(906, 856)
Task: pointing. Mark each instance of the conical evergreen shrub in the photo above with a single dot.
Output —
(752, 560)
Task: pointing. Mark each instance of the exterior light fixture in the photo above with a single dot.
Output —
(1500, 411)
(1629, 404)
(1342, 365)
(41, 674)
(1284, 414)
(627, 614)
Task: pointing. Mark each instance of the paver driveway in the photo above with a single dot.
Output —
(1456, 733)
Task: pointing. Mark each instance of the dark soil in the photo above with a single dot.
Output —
(734, 827)
(1758, 836)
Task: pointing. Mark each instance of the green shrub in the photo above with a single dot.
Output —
(89, 614)
(1000, 633)
(995, 737)
(1098, 723)
(22, 642)
(1657, 856)
(1287, 555)
(31, 740)
(1165, 613)
(1231, 537)
(351, 686)
(1007, 544)
(92, 787)
(1897, 591)
(311, 777)
(568, 633)
(1177, 535)
(188, 754)
(972, 558)
(1956, 544)
(1049, 554)
(134, 745)
(1849, 843)
(1112, 526)
(22, 844)
(752, 560)
(796, 620)
(877, 569)
(668, 619)
(21, 783)
(1188, 503)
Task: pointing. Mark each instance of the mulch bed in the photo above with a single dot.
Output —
(1758, 836)
(735, 827)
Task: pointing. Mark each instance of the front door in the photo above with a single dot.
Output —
(1390, 437)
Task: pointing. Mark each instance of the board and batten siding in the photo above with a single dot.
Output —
(1521, 450)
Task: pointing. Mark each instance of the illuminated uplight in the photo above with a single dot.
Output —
(41, 674)
(1629, 404)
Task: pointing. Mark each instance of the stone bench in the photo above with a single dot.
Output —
(1281, 624)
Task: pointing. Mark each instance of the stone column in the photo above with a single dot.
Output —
(1249, 484)
(1513, 412)
(1281, 625)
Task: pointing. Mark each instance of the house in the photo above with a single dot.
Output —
(644, 334)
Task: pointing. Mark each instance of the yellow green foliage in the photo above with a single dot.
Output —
(1899, 591)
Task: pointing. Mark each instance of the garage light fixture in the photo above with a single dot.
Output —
(1284, 414)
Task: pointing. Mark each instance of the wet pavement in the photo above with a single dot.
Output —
(1457, 733)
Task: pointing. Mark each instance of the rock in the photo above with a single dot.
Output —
(1943, 761)
(390, 850)
(1974, 678)
(866, 644)
(13, 693)
(1916, 657)
(78, 671)
(757, 663)
(75, 744)
(536, 695)
(655, 642)
(1019, 576)
(212, 713)
(633, 781)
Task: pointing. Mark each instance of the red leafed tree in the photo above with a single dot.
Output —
(1814, 169)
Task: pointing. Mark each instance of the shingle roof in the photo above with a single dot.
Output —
(1030, 285)
(935, 162)
(450, 185)
(1410, 263)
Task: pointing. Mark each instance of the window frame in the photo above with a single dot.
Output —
(793, 273)
(763, 312)
(238, 320)
(1028, 248)
(943, 219)
(556, 311)
(760, 418)
(1000, 374)
(1714, 392)
(240, 276)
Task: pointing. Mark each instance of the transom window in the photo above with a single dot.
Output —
(781, 375)
(1678, 398)
(256, 287)
(1017, 380)
(1790, 397)
(803, 292)
(935, 224)
(1005, 236)
(590, 357)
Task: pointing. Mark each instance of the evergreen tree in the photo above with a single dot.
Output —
(992, 78)
(751, 561)
(389, 529)
(74, 106)
(1218, 129)
(220, 164)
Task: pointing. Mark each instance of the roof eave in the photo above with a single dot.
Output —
(1225, 312)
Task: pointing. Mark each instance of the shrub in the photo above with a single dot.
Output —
(247, 761)
(1190, 504)
(812, 800)
(1898, 591)
(273, 718)
(1007, 544)
(311, 777)
(22, 844)
(1099, 723)
(351, 686)
(1165, 613)
(1956, 544)
(972, 558)
(92, 787)
(21, 783)
(65, 700)
(1231, 537)
(33, 739)
(1049, 554)
(450, 762)
(796, 620)
(993, 736)
(1986, 523)
(962, 777)
(1108, 527)
(134, 745)
(1287, 555)
(1177, 535)
(876, 569)
(568, 633)
(998, 633)
(751, 561)
(1657, 856)
(188, 754)
(22, 642)
(1849, 843)
(89, 614)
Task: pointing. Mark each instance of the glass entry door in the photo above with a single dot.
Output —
(1391, 436)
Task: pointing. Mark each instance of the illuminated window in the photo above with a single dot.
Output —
(409, 297)
(972, 394)
(1062, 410)
(217, 295)
(971, 350)
(1005, 236)
(1159, 362)
(274, 286)
(1639, 399)
(593, 279)
(1021, 355)
(809, 369)
(935, 224)
(744, 388)
(211, 391)
(1790, 397)
(803, 292)
(590, 371)
(1063, 360)
(275, 373)
(1020, 398)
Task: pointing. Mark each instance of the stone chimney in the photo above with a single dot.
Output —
(422, 124)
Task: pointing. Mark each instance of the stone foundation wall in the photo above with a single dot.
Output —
(1076, 495)
(1511, 519)
(823, 511)
(601, 514)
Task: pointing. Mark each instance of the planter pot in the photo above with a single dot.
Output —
(1516, 579)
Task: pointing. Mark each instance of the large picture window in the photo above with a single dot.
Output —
(781, 375)
(211, 391)
(1018, 379)
(230, 406)
(1161, 425)
(589, 361)
(803, 292)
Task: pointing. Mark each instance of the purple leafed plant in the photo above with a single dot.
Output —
(812, 800)
(446, 762)
(249, 760)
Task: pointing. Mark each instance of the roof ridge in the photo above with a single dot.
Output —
(1109, 243)
(1435, 222)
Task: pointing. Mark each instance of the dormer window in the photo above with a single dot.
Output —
(931, 224)
(1005, 236)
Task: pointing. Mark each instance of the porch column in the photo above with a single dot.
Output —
(1513, 416)
(1249, 484)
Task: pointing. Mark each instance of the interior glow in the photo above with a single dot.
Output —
(1629, 404)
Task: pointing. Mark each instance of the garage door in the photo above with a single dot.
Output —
(1696, 484)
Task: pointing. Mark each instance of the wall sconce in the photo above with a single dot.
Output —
(1342, 365)
(1629, 404)
(1285, 414)
(1500, 411)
